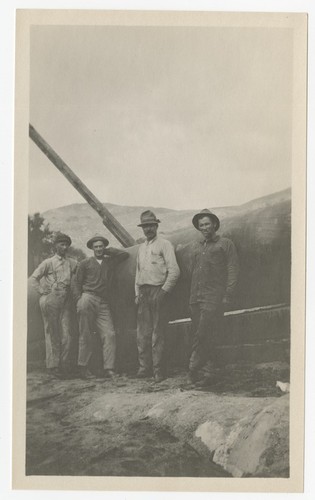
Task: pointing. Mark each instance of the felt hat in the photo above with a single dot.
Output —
(206, 213)
(148, 217)
(97, 237)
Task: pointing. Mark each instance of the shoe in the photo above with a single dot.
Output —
(158, 377)
(143, 374)
(204, 383)
(54, 372)
(194, 376)
(84, 373)
(65, 373)
(109, 374)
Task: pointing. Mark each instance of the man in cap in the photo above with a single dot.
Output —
(214, 278)
(52, 281)
(156, 275)
(91, 289)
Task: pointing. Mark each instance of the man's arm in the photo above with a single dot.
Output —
(137, 289)
(232, 271)
(117, 254)
(37, 275)
(77, 282)
(173, 271)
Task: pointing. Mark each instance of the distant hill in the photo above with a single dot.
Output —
(81, 221)
(260, 230)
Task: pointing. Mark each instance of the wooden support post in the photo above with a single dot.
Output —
(109, 221)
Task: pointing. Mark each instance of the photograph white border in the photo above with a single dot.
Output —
(20, 262)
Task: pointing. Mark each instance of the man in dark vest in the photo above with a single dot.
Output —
(215, 272)
(91, 289)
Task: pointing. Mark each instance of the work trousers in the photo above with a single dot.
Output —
(151, 327)
(55, 311)
(95, 317)
(206, 326)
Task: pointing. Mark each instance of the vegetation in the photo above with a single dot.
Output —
(41, 243)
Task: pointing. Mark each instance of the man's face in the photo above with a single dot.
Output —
(61, 248)
(206, 227)
(98, 248)
(150, 231)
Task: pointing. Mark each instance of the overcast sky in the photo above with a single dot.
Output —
(168, 117)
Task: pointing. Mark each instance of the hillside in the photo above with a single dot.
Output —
(80, 221)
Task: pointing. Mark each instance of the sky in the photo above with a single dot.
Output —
(176, 117)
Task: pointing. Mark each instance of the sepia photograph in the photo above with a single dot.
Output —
(160, 173)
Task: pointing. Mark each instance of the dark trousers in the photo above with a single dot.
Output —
(151, 327)
(206, 326)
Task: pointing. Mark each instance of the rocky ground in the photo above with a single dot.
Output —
(127, 427)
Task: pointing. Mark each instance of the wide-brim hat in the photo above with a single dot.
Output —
(62, 238)
(97, 237)
(206, 213)
(148, 217)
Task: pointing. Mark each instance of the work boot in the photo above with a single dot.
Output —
(143, 374)
(54, 372)
(65, 373)
(84, 373)
(158, 377)
(109, 374)
(194, 376)
(205, 383)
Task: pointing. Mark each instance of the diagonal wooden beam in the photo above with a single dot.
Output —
(109, 221)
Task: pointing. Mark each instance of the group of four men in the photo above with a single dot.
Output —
(60, 279)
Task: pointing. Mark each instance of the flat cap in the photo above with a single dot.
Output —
(61, 237)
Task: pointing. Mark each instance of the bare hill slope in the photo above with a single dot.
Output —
(80, 221)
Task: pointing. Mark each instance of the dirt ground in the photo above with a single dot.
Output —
(100, 427)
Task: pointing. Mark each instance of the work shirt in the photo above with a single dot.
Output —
(156, 265)
(54, 273)
(215, 271)
(95, 277)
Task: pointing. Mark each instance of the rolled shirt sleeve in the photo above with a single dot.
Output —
(173, 271)
(37, 275)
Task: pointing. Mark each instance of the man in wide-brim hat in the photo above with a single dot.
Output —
(157, 272)
(92, 291)
(52, 280)
(214, 278)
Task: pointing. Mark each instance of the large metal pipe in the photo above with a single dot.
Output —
(108, 219)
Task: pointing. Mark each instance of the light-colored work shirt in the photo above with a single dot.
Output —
(54, 273)
(156, 265)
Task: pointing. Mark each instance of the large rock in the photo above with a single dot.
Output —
(246, 436)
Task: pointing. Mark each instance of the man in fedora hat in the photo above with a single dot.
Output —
(92, 290)
(214, 278)
(52, 281)
(156, 275)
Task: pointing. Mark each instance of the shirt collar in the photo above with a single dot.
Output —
(59, 257)
(215, 238)
(151, 241)
(99, 260)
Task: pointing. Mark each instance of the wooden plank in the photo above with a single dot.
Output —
(108, 219)
(236, 313)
